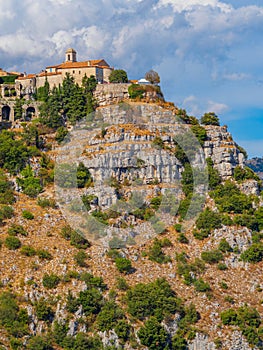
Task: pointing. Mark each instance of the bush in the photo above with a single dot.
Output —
(182, 239)
(136, 91)
(27, 250)
(43, 311)
(208, 220)
(212, 256)
(39, 343)
(156, 254)
(27, 215)
(12, 243)
(201, 286)
(15, 230)
(210, 119)
(153, 335)
(224, 246)
(46, 202)
(253, 254)
(152, 299)
(44, 254)
(122, 330)
(109, 315)
(80, 258)
(121, 284)
(123, 265)
(241, 174)
(50, 281)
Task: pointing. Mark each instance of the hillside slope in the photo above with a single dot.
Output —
(149, 238)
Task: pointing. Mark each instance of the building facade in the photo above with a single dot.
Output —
(55, 74)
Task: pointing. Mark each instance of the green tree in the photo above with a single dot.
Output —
(18, 108)
(118, 76)
(210, 118)
(153, 335)
(29, 183)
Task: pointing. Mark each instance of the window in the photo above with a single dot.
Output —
(68, 57)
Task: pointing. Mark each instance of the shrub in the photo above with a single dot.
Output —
(44, 254)
(15, 230)
(241, 174)
(27, 250)
(152, 299)
(109, 315)
(50, 281)
(80, 258)
(6, 212)
(39, 343)
(210, 119)
(12, 243)
(43, 310)
(182, 239)
(93, 281)
(208, 220)
(136, 91)
(123, 264)
(156, 254)
(91, 301)
(253, 254)
(212, 256)
(78, 240)
(153, 335)
(46, 202)
(122, 330)
(27, 215)
(224, 246)
(201, 286)
(61, 134)
(222, 266)
(121, 284)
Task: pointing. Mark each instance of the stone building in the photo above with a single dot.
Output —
(55, 74)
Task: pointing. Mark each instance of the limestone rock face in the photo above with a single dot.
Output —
(223, 151)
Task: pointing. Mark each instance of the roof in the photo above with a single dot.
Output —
(145, 81)
(91, 63)
(29, 76)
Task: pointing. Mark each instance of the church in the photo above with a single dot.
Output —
(55, 74)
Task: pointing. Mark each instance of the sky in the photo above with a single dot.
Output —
(208, 53)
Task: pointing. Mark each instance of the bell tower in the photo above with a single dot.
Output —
(71, 55)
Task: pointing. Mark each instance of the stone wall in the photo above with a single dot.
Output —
(107, 94)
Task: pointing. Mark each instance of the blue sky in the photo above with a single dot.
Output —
(208, 53)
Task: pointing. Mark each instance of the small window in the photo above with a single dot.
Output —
(68, 57)
(73, 72)
(79, 71)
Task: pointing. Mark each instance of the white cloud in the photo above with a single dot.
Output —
(182, 5)
(208, 52)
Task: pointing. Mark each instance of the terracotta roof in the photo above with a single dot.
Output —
(29, 76)
(91, 63)
(46, 74)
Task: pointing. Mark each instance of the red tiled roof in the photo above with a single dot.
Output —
(91, 63)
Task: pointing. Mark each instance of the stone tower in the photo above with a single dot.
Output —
(71, 55)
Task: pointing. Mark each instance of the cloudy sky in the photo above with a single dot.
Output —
(208, 53)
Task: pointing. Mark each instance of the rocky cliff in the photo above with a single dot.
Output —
(132, 211)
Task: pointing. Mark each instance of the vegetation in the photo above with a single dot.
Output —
(69, 102)
(12, 243)
(118, 76)
(247, 319)
(152, 77)
(210, 119)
